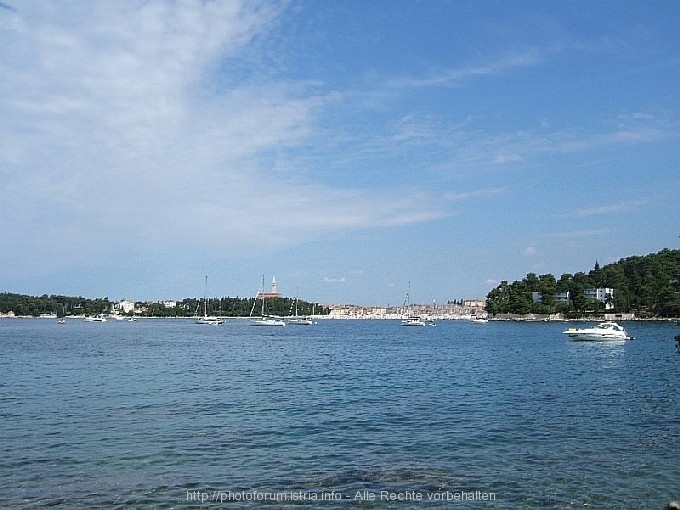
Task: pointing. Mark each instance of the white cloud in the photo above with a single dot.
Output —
(478, 193)
(607, 209)
(140, 117)
(530, 251)
(334, 279)
(454, 76)
(575, 234)
(474, 148)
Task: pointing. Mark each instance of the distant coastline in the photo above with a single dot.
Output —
(386, 316)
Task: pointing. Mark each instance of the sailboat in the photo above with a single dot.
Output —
(411, 320)
(206, 319)
(296, 319)
(263, 320)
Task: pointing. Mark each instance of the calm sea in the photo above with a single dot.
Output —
(343, 414)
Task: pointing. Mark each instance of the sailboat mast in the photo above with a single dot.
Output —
(262, 296)
(205, 298)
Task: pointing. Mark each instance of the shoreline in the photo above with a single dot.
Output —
(519, 318)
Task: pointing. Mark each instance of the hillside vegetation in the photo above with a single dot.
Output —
(22, 305)
(648, 286)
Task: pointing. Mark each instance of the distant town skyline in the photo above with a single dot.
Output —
(347, 148)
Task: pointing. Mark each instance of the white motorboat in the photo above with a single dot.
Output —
(603, 332)
(96, 318)
(413, 321)
(210, 321)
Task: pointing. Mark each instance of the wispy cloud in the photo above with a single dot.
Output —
(606, 209)
(112, 119)
(474, 194)
(476, 147)
(472, 144)
(334, 279)
(575, 234)
(455, 76)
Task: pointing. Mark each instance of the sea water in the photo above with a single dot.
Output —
(342, 414)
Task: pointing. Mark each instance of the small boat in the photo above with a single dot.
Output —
(413, 321)
(603, 332)
(210, 321)
(61, 321)
(96, 318)
(479, 320)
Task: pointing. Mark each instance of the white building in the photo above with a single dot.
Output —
(126, 306)
(474, 303)
(559, 297)
(603, 295)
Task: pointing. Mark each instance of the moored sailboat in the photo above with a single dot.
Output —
(299, 320)
(411, 319)
(263, 319)
(210, 320)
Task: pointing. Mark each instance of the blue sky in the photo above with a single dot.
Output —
(348, 148)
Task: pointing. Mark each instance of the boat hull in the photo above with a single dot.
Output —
(604, 332)
(98, 318)
(590, 337)
(209, 321)
(413, 322)
(267, 322)
(301, 322)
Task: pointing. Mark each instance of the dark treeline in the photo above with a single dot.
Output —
(62, 306)
(648, 286)
(236, 307)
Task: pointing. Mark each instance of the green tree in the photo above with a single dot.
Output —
(547, 286)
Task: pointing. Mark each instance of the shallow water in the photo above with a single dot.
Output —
(169, 414)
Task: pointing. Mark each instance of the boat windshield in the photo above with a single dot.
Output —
(610, 325)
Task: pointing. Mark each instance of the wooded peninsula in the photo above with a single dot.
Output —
(64, 306)
(648, 286)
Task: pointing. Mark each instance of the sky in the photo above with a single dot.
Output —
(351, 149)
